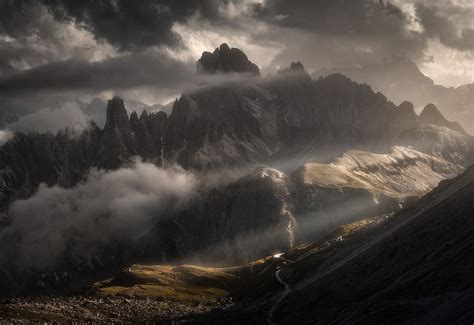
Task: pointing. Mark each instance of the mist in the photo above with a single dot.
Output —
(43, 120)
(5, 136)
(117, 206)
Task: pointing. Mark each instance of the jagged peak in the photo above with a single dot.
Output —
(134, 117)
(116, 113)
(226, 60)
(407, 107)
(144, 114)
(297, 66)
(432, 111)
(223, 47)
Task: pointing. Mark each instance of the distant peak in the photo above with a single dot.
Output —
(431, 109)
(224, 47)
(133, 117)
(431, 115)
(144, 114)
(406, 106)
(297, 66)
(226, 60)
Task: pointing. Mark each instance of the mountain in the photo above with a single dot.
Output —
(361, 184)
(391, 269)
(225, 60)
(248, 218)
(287, 118)
(400, 79)
(440, 142)
(431, 115)
(66, 158)
(282, 122)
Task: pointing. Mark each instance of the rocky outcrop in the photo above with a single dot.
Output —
(249, 218)
(226, 60)
(362, 184)
(117, 141)
(431, 115)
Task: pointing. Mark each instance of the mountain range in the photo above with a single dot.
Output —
(281, 161)
(400, 79)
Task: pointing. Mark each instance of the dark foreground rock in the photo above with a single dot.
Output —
(119, 309)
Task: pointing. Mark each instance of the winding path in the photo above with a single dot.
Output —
(282, 295)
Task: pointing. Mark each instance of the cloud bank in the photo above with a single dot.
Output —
(5, 135)
(69, 115)
(108, 208)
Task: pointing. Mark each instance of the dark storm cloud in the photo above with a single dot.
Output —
(26, 24)
(331, 33)
(356, 17)
(443, 23)
(121, 72)
(133, 24)
(368, 22)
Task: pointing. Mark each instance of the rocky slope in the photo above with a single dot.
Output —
(249, 218)
(440, 142)
(395, 266)
(362, 184)
(412, 267)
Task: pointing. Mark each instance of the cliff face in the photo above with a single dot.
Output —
(65, 158)
(249, 218)
(286, 115)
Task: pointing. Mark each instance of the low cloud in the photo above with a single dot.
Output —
(69, 115)
(108, 208)
(5, 135)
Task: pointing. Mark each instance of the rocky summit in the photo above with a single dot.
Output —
(226, 60)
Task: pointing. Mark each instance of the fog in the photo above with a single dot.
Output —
(68, 115)
(116, 206)
(5, 135)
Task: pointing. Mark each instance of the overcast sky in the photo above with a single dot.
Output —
(146, 50)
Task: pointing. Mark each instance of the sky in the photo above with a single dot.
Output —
(52, 51)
